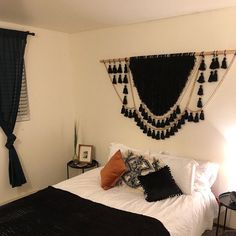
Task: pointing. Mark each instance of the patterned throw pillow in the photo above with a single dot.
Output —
(137, 165)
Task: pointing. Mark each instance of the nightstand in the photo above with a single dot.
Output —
(82, 166)
(224, 200)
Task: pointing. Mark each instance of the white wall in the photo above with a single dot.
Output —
(99, 108)
(44, 144)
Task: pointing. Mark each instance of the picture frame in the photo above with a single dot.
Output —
(85, 153)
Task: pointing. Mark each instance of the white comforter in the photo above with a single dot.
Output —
(186, 215)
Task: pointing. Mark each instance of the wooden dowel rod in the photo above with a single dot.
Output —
(220, 52)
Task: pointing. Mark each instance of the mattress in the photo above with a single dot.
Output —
(188, 215)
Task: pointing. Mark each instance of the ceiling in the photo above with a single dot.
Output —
(73, 16)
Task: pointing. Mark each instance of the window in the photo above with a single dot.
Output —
(23, 110)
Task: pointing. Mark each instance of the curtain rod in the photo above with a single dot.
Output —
(220, 52)
(30, 33)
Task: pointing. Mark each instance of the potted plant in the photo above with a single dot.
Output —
(75, 157)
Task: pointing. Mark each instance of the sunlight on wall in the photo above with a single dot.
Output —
(230, 158)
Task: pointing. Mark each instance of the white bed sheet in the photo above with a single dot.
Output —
(186, 215)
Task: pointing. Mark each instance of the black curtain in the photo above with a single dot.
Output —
(161, 79)
(12, 48)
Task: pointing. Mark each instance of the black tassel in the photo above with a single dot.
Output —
(130, 114)
(125, 90)
(144, 129)
(196, 118)
(109, 69)
(136, 118)
(212, 65)
(119, 70)
(149, 119)
(126, 113)
(202, 66)
(145, 117)
(200, 91)
(199, 103)
(167, 133)
(153, 134)
(217, 64)
(158, 124)
(171, 119)
(174, 115)
(201, 78)
(179, 125)
(167, 122)
(211, 77)
(125, 102)
(149, 133)
(186, 115)
(172, 132)
(175, 128)
(202, 116)
(158, 135)
(224, 63)
(162, 124)
(138, 121)
(119, 79)
(140, 108)
(141, 125)
(125, 69)
(182, 120)
(114, 70)
(114, 79)
(178, 111)
(123, 110)
(153, 122)
(162, 135)
(190, 117)
(125, 80)
(215, 76)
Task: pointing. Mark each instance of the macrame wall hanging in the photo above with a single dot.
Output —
(163, 92)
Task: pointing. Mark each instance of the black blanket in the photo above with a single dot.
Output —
(56, 212)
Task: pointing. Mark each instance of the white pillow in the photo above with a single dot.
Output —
(182, 169)
(206, 174)
(114, 147)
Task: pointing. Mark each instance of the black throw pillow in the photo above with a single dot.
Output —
(159, 185)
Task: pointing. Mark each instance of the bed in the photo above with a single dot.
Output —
(80, 206)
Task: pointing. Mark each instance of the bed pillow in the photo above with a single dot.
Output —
(112, 171)
(206, 174)
(136, 165)
(124, 149)
(182, 169)
(159, 185)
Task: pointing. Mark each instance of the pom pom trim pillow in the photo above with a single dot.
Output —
(182, 169)
(159, 185)
(112, 171)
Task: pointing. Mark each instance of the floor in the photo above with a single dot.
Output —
(212, 232)
(220, 233)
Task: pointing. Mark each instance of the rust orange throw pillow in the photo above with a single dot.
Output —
(112, 171)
